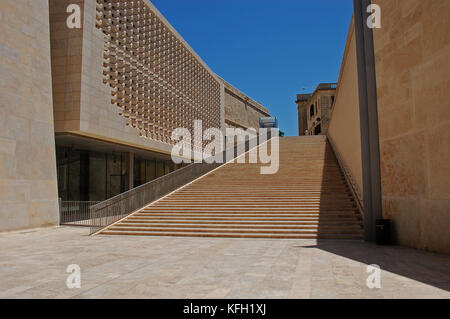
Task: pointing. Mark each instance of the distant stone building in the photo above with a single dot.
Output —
(302, 101)
(314, 109)
(241, 111)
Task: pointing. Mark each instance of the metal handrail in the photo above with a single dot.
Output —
(118, 207)
(75, 213)
(354, 188)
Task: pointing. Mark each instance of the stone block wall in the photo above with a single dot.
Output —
(325, 109)
(344, 125)
(240, 110)
(66, 59)
(413, 78)
(28, 187)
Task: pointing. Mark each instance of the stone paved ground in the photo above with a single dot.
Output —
(33, 265)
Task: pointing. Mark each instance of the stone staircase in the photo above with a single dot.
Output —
(307, 198)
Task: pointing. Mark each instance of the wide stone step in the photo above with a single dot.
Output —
(263, 198)
(235, 235)
(260, 201)
(247, 206)
(248, 187)
(298, 211)
(285, 226)
(250, 202)
(318, 212)
(248, 217)
(267, 232)
(320, 223)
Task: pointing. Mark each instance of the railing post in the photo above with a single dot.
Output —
(60, 210)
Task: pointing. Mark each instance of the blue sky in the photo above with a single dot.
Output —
(268, 49)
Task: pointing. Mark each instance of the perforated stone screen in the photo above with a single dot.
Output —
(156, 82)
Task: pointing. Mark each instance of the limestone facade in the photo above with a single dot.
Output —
(125, 78)
(28, 187)
(128, 77)
(412, 52)
(344, 130)
(302, 102)
(313, 109)
(411, 58)
(242, 111)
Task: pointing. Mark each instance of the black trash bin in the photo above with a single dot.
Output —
(383, 232)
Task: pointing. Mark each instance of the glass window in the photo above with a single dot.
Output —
(159, 168)
(167, 167)
(97, 176)
(151, 171)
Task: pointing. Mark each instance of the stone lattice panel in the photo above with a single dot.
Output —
(156, 82)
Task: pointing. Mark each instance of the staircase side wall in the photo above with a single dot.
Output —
(413, 78)
(344, 124)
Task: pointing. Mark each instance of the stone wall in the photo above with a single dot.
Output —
(302, 120)
(28, 187)
(66, 58)
(303, 112)
(344, 124)
(413, 78)
(240, 110)
(325, 109)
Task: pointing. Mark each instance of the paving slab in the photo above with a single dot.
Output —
(33, 265)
